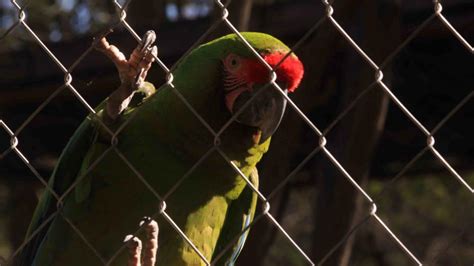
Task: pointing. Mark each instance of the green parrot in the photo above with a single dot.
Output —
(162, 141)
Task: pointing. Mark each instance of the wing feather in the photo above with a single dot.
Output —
(239, 215)
(72, 161)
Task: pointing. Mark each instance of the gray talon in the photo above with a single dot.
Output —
(147, 40)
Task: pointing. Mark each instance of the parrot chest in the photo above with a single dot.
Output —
(125, 186)
(120, 196)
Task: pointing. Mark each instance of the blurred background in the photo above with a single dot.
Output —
(421, 201)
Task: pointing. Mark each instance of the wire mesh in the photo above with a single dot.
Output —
(378, 82)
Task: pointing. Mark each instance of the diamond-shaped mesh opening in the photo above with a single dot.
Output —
(66, 20)
(37, 125)
(373, 246)
(453, 136)
(376, 27)
(401, 136)
(432, 71)
(413, 220)
(296, 219)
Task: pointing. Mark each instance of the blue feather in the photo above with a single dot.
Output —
(240, 244)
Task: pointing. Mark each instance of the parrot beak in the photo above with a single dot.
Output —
(264, 112)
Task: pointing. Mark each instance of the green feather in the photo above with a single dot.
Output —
(162, 141)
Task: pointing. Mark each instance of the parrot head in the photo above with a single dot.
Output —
(245, 79)
(220, 77)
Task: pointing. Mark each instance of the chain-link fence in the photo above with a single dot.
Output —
(328, 20)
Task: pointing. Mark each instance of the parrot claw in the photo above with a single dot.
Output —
(144, 65)
(151, 241)
(142, 57)
(132, 72)
(147, 40)
(150, 247)
(145, 219)
(134, 246)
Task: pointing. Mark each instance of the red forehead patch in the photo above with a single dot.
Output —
(289, 72)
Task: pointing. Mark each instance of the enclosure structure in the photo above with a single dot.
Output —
(362, 135)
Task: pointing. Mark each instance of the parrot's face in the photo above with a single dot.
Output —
(246, 78)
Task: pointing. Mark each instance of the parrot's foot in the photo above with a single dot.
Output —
(134, 246)
(132, 72)
(150, 248)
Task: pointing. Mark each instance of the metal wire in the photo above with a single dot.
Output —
(378, 80)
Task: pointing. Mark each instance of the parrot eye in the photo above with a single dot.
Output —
(232, 62)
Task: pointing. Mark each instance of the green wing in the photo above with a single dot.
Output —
(74, 160)
(240, 213)
(63, 176)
